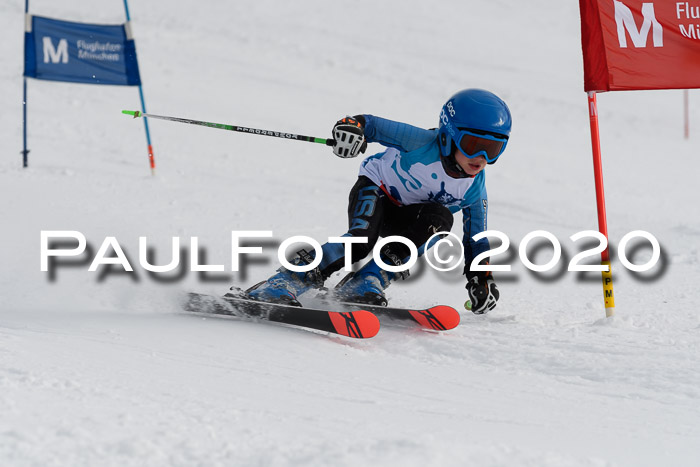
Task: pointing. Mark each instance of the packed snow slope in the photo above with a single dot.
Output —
(100, 368)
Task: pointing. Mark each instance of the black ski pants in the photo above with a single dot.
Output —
(372, 214)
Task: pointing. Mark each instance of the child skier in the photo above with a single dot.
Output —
(411, 189)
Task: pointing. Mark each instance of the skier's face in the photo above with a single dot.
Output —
(470, 166)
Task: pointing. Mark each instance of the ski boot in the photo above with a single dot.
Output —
(286, 286)
(367, 285)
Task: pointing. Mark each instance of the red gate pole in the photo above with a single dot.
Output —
(600, 199)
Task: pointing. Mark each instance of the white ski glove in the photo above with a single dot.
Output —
(483, 292)
(349, 135)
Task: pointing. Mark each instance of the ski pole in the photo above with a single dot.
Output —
(241, 129)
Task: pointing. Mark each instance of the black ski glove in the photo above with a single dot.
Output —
(483, 292)
(349, 135)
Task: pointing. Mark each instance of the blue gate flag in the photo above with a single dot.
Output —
(80, 53)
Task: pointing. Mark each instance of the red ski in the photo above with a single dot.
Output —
(356, 323)
(438, 318)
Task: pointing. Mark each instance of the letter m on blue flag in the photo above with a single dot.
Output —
(80, 53)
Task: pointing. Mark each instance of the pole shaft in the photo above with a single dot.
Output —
(598, 169)
(25, 161)
(600, 200)
(151, 157)
(686, 114)
(240, 129)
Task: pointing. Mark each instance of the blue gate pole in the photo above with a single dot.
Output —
(25, 162)
(151, 157)
(25, 152)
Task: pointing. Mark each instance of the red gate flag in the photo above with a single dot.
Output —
(640, 44)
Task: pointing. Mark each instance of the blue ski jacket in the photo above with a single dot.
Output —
(410, 172)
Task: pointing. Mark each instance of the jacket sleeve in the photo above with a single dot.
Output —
(474, 220)
(397, 135)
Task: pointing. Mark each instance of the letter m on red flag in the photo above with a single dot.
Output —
(640, 44)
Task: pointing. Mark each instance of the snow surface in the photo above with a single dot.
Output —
(102, 369)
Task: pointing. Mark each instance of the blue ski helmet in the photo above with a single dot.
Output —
(474, 112)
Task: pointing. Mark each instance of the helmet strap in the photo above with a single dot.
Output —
(452, 168)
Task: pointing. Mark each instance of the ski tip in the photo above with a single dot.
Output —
(134, 113)
(440, 318)
(359, 324)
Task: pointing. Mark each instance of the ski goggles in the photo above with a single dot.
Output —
(473, 144)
